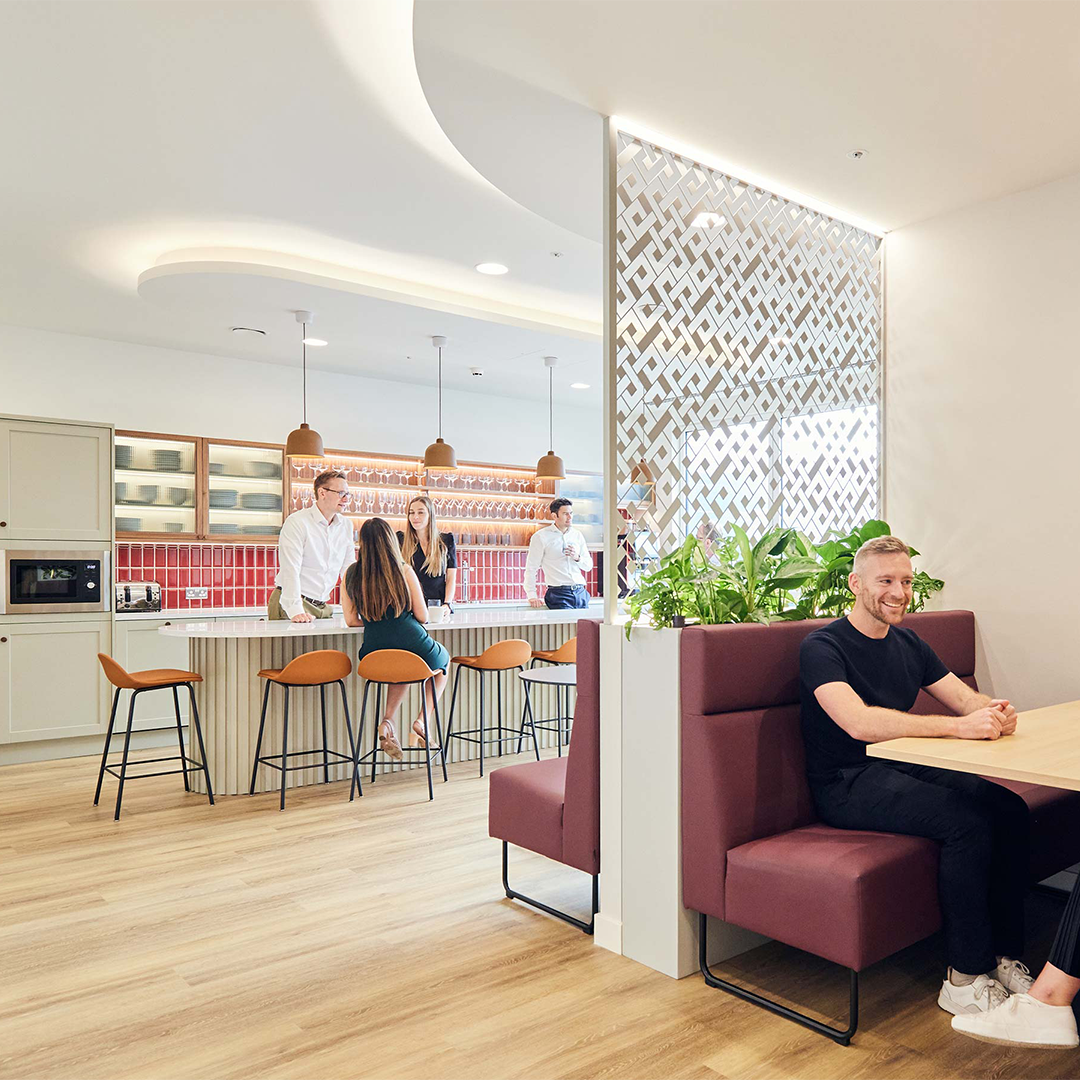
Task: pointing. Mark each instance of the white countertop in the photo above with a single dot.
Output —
(462, 619)
(188, 614)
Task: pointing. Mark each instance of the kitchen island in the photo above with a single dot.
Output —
(230, 653)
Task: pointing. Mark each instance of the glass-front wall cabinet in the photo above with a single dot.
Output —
(245, 484)
(156, 485)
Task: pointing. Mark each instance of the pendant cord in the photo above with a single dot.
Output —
(440, 391)
(304, 344)
(551, 425)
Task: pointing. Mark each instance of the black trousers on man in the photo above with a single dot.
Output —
(1065, 955)
(983, 831)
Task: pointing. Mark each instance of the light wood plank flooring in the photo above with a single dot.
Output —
(373, 940)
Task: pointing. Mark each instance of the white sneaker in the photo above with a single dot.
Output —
(1013, 975)
(974, 997)
(1022, 1021)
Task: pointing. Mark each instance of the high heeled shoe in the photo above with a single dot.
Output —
(388, 743)
(416, 738)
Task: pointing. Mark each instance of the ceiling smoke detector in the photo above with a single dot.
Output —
(477, 371)
(247, 330)
(856, 155)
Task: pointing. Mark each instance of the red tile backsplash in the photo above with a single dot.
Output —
(242, 575)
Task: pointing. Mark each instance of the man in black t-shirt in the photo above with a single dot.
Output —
(858, 678)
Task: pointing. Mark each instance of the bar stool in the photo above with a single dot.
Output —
(320, 668)
(566, 653)
(398, 667)
(500, 657)
(138, 682)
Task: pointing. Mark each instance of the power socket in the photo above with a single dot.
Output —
(196, 594)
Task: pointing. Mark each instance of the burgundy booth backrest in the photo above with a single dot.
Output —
(743, 766)
(581, 807)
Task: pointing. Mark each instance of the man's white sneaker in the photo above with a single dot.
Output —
(1013, 975)
(974, 997)
(1022, 1021)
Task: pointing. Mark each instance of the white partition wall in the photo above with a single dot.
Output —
(743, 368)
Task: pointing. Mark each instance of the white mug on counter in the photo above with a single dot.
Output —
(434, 611)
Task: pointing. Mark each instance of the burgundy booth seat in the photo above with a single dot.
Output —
(753, 852)
(553, 806)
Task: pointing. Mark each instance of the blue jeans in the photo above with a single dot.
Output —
(567, 596)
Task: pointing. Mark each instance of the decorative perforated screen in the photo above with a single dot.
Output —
(748, 356)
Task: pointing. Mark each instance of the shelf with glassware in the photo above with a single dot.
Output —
(194, 488)
(483, 504)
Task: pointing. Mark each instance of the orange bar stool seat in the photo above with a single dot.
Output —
(321, 668)
(397, 667)
(139, 682)
(566, 653)
(563, 720)
(514, 653)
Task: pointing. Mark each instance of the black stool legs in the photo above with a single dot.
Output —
(502, 734)
(272, 760)
(187, 764)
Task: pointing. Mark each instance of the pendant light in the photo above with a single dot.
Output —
(440, 456)
(304, 442)
(641, 475)
(550, 466)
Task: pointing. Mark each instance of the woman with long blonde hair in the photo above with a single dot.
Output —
(383, 595)
(432, 554)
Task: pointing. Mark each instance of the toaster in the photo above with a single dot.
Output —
(137, 596)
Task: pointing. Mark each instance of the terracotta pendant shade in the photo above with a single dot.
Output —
(642, 474)
(550, 467)
(304, 443)
(440, 457)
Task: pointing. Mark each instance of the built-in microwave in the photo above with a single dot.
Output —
(54, 582)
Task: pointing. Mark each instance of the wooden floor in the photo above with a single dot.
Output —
(373, 940)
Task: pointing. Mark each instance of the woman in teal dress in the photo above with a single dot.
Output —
(383, 595)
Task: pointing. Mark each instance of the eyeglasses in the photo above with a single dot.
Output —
(336, 491)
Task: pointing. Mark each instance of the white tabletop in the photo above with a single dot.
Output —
(561, 675)
(462, 619)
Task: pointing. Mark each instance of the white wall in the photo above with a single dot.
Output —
(982, 454)
(149, 389)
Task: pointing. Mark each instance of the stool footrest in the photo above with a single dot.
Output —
(272, 759)
(111, 770)
(511, 733)
(155, 760)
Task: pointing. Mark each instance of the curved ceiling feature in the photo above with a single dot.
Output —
(165, 284)
(546, 153)
(954, 103)
(296, 127)
(369, 332)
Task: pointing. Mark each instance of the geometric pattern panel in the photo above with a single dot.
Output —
(748, 354)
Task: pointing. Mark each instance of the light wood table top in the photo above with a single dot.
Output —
(1045, 750)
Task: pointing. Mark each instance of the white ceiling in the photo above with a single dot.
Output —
(297, 133)
(954, 102)
(175, 168)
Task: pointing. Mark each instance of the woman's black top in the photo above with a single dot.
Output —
(434, 588)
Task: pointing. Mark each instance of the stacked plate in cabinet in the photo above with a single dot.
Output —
(222, 499)
(260, 500)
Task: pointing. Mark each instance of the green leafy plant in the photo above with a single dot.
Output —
(783, 575)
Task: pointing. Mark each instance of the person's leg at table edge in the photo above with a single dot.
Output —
(890, 797)
(1043, 1017)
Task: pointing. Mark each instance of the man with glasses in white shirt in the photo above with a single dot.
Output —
(561, 552)
(315, 548)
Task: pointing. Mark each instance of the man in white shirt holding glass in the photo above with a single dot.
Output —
(315, 548)
(561, 552)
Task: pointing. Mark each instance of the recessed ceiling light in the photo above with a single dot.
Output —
(856, 155)
(579, 386)
(315, 342)
(247, 330)
(708, 220)
(492, 268)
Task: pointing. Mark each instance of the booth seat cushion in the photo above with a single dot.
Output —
(525, 805)
(851, 896)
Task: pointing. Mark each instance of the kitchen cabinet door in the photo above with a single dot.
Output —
(51, 684)
(139, 647)
(55, 481)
